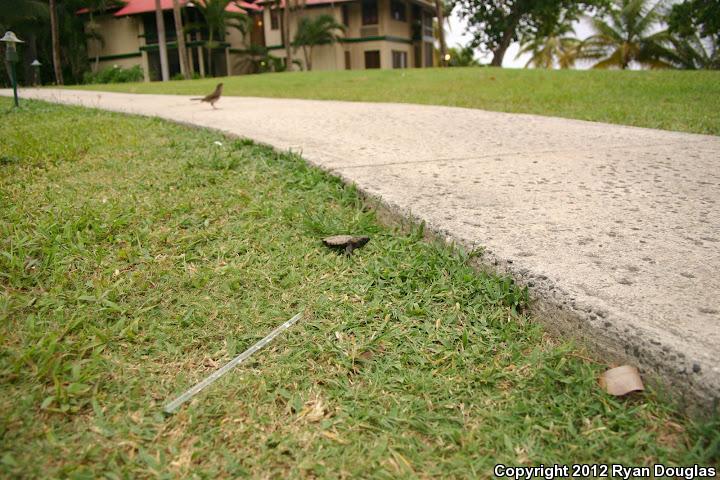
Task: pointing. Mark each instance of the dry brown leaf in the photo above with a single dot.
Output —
(367, 355)
(314, 410)
(622, 380)
(334, 437)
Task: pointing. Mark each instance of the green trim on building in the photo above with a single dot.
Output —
(242, 51)
(381, 38)
(386, 38)
(119, 56)
(153, 47)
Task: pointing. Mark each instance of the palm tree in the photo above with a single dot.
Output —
(180, 36)
(462, 57)
(218, 20)
(93, 33)
(13, 11)
(316, 31)
(553, 47)
(286, 35)
(55, 33)
(439, 13)
(627, 36)
(288, 6)
(162, 44)
(692, 53)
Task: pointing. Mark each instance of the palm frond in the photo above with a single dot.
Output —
(15, 11)
(651, 17)
(613, 61)
(626, 36)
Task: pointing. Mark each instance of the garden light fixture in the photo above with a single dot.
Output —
(36, 67)
(11, 57)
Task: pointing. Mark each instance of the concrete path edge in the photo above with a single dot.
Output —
(612, 339)
(564, 318)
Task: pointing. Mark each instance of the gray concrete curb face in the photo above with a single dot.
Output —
(614, 229)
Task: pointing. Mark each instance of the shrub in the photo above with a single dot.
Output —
(179, 76)
(115, 74)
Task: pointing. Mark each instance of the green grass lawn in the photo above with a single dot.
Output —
(673, 100)
(137, 256)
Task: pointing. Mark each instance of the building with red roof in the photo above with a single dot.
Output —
(378, 34)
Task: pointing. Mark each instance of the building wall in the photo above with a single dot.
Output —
(398, 28)
(355, 19)
(236, 39)
(120, 35)
(273, 38)
(389, 35)
(121, 42)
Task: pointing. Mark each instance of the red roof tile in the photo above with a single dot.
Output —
(249, 6)
(134, 7)
(307, 2)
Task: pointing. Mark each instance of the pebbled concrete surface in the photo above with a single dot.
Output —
(615, 229)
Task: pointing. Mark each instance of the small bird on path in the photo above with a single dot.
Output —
(213, 97)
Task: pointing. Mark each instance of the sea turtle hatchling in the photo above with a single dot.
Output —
(346, 242)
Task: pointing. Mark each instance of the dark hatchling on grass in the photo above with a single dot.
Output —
(346, 242)
(213, 97)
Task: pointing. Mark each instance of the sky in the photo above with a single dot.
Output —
(456, 34)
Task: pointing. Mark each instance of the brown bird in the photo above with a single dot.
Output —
(213, 97)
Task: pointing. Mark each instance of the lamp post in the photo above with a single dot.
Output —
(11, 57)
(36, 67)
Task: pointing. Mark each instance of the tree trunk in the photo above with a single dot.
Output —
(286, 31)
(499, 52)
(210, 52)
(180, 34)
(162, 45)
(97, 43)
(55, 33)
(441, 32)
(308, 57)
(201, 57)
(211, 39)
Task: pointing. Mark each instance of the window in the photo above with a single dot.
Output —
(427, 21)
(274, 20)
(348, 65)
(398, 11)
(369, 12)
(399, 59)
(372, 59)
(428, 54)
(150, 24)
(346, 15)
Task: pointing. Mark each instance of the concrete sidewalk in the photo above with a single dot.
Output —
(615, 229)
